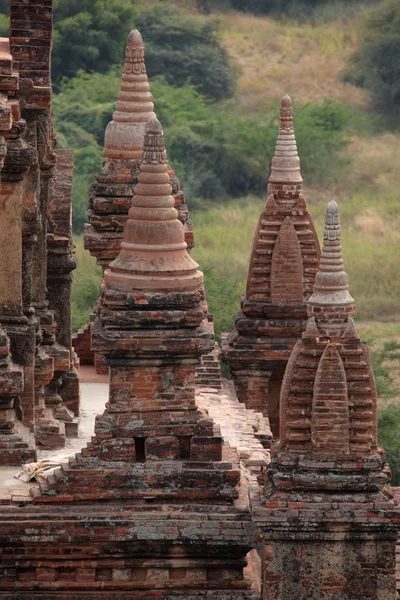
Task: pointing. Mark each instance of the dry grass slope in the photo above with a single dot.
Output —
(277, 57)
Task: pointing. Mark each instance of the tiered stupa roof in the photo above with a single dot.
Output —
(124, 134)
(153, 251)
(283, 264)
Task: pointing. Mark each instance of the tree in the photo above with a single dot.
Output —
(376, 65)
(90, 34)
(184, 47)
(4, 18)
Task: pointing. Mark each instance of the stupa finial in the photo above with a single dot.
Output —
(285, 166)
(331, 288)
(124, 134)
(153, 252)
(134, 39)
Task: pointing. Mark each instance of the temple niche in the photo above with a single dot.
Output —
(178, 491)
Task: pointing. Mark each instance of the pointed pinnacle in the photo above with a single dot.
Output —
(286, 114)
(153, 126)
(331, 284)
(285, 165)
(153, 143)
(124, 134)
(134, 39)
(153, 254)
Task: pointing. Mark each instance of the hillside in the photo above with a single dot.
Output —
(273, 57)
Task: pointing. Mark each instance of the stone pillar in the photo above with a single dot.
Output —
(16, 387)
(282, 268)
(329, 521)
(19, 328)
(31, 42)
(61, 263)
(50, 433)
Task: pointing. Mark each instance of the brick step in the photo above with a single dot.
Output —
(214, 383)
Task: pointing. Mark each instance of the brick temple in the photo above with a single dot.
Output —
(283, 263)
(177, 491)
(39, 383)
(329, 514)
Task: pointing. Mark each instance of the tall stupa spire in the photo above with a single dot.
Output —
(285, 166)
(153, 251)
(331, 288)
(124, 134)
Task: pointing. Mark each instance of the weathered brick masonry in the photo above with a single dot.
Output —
(150, 508)
(112, 192)
(329, 520)
(111, 195)
(159, 505)
(39, 344)
(283, 264)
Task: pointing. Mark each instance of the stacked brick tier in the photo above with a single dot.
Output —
(112, 192)
(81, 342)
(283, 264)
(329, 515)
(120, 551)
(208, 371)
(163, 514)
(243, 429)
(61, 263)
(151, 326)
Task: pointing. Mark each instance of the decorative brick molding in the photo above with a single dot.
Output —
(283, 264)
(328, 507)
(156, 481)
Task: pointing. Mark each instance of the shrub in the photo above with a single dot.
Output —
(222, 297)
(184, 47)
(89, 34)
(85, 286)
(376, 65)
(389, 438)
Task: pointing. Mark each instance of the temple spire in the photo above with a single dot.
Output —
(331, 286)
(153, 251)
(124, 134)
(285, 166)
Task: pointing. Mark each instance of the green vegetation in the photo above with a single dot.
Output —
(185, 48)
(89, 34)
(389, 438)
(217, 153)
(85, 287)
(375, 66)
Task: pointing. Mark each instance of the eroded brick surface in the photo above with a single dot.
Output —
(153, 503)
(283, 264)
(329, 515)
(35, 224)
